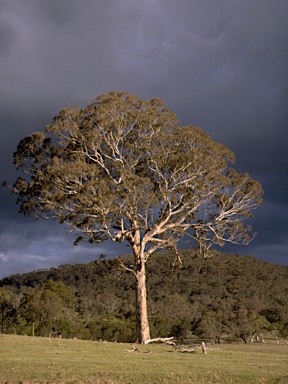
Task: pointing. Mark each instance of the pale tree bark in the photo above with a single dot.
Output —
(142, 324)
(139, 271)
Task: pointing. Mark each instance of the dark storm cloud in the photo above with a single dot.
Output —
(7, 38)
(220, 65)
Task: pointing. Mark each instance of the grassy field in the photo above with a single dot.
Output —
(29, 360)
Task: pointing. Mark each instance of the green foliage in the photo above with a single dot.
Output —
(223, 296)
(123, 169)
(7, 310)
(43, 308)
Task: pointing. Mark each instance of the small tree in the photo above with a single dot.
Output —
(8, 310)
(42, 308)
(123, 169)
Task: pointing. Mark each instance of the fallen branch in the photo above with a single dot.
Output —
(132, 350)
(187, 350)
(190, 348)
(166, 340)
(137, 350)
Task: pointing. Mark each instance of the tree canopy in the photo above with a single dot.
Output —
(124, 169)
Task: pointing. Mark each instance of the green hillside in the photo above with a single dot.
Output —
(224, 297)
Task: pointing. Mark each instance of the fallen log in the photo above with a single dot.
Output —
(187, 350)
(190, 348)
(166, 340)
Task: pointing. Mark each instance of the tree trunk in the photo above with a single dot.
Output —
(142, 324)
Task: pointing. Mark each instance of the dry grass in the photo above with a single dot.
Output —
(29, 360)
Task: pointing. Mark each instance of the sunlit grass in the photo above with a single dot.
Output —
(40, 360)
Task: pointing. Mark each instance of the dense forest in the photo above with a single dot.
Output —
(223, 297)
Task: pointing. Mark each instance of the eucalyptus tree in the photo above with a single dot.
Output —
(124, 169)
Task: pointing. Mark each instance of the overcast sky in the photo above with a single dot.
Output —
(218, 64)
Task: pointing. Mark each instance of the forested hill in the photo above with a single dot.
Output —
(228, 294)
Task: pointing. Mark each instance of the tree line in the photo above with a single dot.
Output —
(224, 296)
